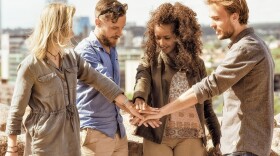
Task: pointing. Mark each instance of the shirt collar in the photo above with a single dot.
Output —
(95, 42)
(241, 35)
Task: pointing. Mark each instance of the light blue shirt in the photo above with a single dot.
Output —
(94, 109)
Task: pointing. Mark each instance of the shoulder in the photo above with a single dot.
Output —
(251, 44)
(30, 61)
(86, 46)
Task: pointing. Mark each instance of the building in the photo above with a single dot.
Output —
(0, 22)
(129, 60)
(14, 50)
(81, 26)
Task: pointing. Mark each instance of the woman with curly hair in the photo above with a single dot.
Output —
(170, 66)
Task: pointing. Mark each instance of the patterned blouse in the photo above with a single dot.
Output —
(184, 123)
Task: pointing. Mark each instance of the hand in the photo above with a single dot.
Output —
(143, 108)
(217, 150)
(133, 111)
(151, 117)
(153, 123)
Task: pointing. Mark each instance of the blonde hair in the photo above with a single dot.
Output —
(54, 27)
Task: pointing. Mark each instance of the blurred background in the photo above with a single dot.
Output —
(18, 17)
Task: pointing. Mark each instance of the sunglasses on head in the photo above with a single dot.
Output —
(117, 10)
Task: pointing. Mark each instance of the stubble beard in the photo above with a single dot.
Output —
(227, 33)
(105, 41)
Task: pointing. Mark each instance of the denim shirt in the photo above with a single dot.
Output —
(94, 109)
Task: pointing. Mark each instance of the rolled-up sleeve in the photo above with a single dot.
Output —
(237, 63)
(20, 99)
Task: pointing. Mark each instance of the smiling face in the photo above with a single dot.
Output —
(110, 32)
(165, 38)
(221, 22)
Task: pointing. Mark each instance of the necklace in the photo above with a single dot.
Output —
(53, 55)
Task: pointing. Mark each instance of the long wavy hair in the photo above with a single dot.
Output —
(186, 29)
(54, 27)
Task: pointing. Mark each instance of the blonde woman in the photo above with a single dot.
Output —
(46, 82)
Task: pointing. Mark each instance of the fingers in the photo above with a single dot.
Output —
(140, 104)
(134, 121)
(133, 111)
(154, 123)
(148, 112)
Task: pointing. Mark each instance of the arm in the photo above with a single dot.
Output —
(104, 85)
(235, 66)
(143, 83)
(21, 97)
(89, 54)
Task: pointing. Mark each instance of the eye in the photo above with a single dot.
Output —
(157, 38)
(115, 28)
(167, 38)
(215, 18)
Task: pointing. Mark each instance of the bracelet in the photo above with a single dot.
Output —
(125, 102)
(12, 151)
(12, 146)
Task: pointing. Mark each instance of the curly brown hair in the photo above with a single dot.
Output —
(186, 29)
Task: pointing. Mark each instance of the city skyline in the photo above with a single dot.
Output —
(27, 15)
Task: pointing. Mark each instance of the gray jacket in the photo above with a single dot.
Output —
(246, 79)
(52, 127)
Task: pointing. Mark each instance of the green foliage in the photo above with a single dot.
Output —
(129, 95)
(276, 58)
(218, 104)
(276, 104)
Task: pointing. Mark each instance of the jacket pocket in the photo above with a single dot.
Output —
(49, 85)
(47, 77)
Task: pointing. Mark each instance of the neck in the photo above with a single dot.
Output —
(53, 52)
(172, 54)
(237, 31)
(98, 36)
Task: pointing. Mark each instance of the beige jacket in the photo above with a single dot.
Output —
(52, 127)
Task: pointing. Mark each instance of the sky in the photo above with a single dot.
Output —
(25, 13)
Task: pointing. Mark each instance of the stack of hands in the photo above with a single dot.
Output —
(149, 116)
(142, 113)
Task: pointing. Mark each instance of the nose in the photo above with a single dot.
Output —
(119, 32)
(161, 42)
(212, 24)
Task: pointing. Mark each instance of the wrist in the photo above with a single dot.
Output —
(125, 103)
(12, 149)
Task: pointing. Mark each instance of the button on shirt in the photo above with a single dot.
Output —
(95, 110)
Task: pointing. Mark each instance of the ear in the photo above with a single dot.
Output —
(98, 22)
(235, 17)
